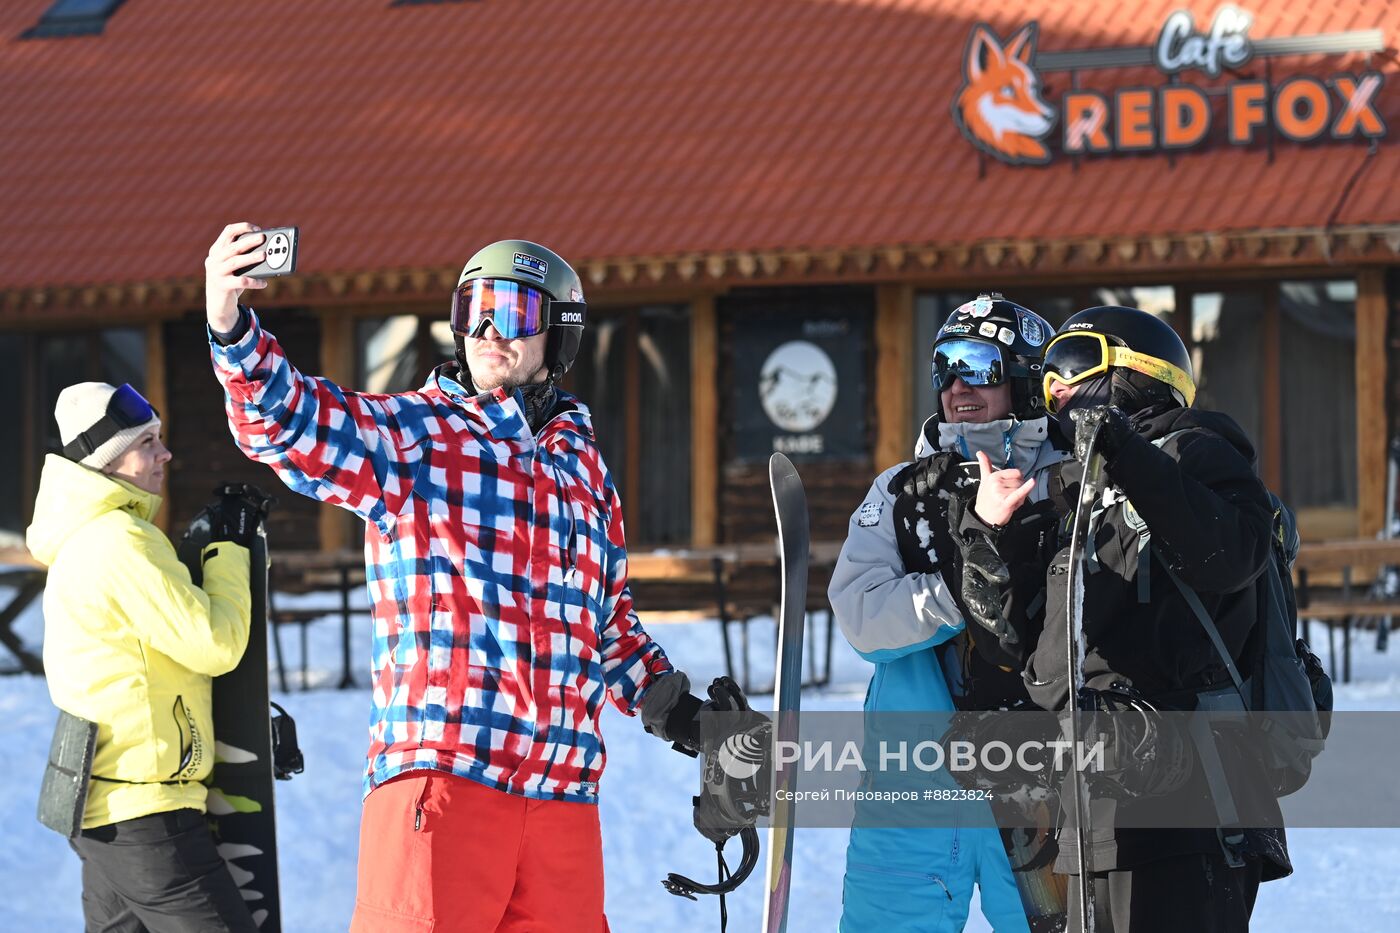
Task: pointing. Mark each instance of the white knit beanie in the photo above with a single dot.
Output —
(83, 405)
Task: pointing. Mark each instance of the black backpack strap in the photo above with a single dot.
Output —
(1208, 624)
(1231, 837)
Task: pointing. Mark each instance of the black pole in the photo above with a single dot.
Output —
(346, 680)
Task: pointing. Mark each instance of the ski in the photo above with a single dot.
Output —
(794, 542)
(240, 806)
(1089, 489)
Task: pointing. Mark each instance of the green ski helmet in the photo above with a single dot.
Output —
(545, 275)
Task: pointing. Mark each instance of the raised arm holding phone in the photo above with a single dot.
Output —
(501, 614)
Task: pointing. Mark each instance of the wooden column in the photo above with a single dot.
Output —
(704, 422)
(893, 383)
(632, 410)
(337, 365)
(1181, 317)
(157, 393)
(1371, 422)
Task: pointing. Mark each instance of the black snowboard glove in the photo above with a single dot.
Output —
(232, 516)
(1112, 424)
(235, 513)
(923, 476)
(241, 513)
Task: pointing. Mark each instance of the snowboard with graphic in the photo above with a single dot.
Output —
(241, 811)
(794, 542)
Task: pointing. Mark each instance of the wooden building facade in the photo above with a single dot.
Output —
(769, 227)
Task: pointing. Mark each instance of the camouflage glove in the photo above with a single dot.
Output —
(986, 580)
(922, 477)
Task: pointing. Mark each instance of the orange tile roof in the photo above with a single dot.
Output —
(407, 136)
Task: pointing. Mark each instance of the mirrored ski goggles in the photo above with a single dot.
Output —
(513, 308)
(975, 362)
(126, 408)
(1076, 356)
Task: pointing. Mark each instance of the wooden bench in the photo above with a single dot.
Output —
(282, 582)
(732, 584)
(729, 583)
(685, 586)
(1332, 582)
(28, 583)
(296, 572)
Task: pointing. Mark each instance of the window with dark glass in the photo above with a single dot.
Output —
(1317, 366)
(73, 18)
(1227, 355)
(39, 367)
(12, 432)
(387, 357)
(1277, 357)
(633, 373)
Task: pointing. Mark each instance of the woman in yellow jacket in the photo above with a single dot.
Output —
(131, 644)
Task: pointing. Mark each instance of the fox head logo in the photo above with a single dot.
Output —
(999, 107)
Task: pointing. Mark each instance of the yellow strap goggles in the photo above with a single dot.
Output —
(1076, 356)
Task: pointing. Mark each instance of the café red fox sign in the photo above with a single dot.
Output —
(1000, 107)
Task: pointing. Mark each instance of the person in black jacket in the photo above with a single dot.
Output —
(1183, 495)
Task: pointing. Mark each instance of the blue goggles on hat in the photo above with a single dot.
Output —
(127, 408)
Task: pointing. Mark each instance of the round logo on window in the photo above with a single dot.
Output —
(797, 386)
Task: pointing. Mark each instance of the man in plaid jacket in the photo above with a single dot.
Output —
(497, 572)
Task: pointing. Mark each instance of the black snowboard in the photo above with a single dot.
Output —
(794, 541)
(240, 807)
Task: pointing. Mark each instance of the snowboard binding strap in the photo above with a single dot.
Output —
(681, 886)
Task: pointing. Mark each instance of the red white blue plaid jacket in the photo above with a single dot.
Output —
(496, 567)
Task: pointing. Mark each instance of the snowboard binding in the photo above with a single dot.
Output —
(737, 782)
(286, 754)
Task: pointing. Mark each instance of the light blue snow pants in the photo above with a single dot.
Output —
(919, 880)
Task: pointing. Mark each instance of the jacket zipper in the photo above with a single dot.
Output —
(903, 873)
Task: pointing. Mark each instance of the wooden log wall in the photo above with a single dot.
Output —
(198, 434)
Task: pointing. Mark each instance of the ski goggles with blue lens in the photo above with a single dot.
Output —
(975, 362)
(514, 309)
(126, 408)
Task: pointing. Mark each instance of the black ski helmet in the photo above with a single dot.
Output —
(540, 267)
(1147, 359)
(1019, 335)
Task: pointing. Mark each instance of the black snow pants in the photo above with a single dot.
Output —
(1195, 892)
(158, 874)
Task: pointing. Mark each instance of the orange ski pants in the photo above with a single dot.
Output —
(445, 854)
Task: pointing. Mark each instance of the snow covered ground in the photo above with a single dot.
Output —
(1344, 878)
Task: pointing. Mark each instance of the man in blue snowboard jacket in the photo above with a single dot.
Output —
(895, 593)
